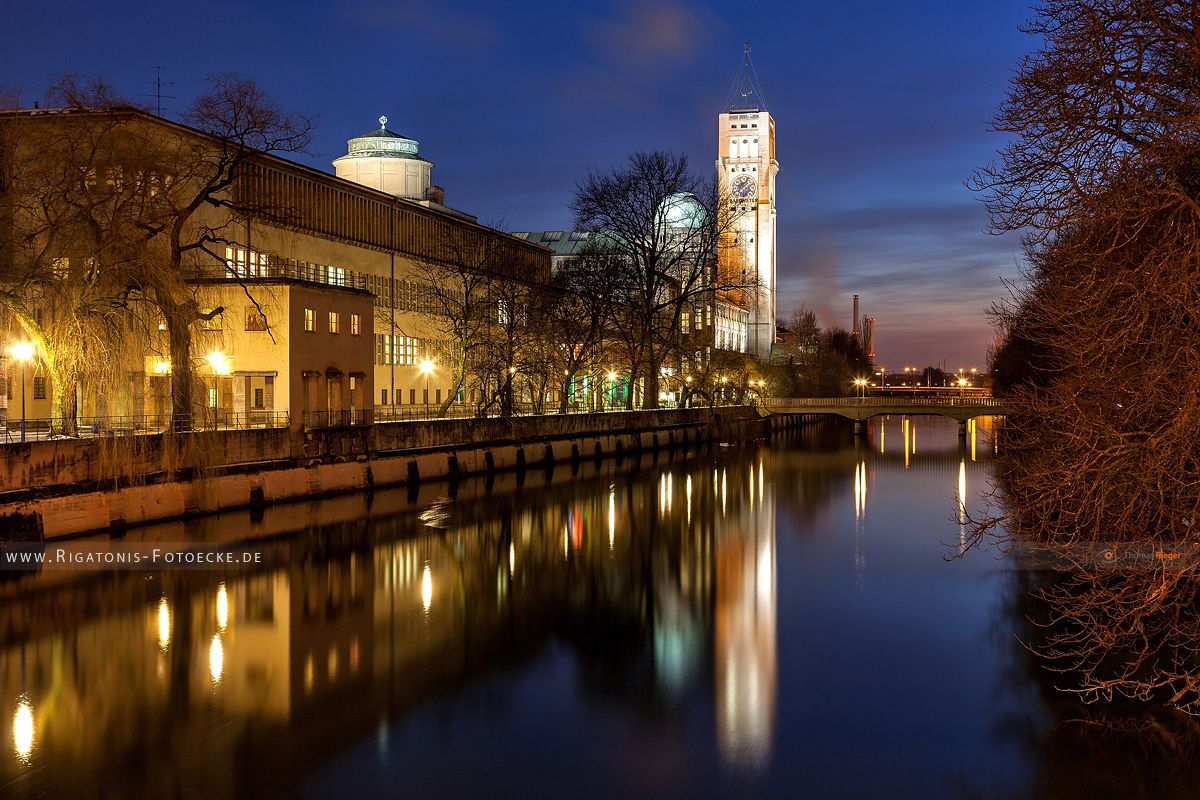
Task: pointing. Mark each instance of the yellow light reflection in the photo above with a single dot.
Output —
(612, 517)
(688, 488)
(512, 558)
(426, 588)
(860, 490)
(914, 438)
(164, 623)
(332, 663)
(216, 658)
(882, 435)
(904, 428)
(222, 607)
(23, 730)
(971, 425)
(962, 491)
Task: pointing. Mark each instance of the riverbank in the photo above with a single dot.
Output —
(60, 488)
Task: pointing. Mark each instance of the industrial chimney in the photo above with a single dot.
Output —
(857, 331)
(869, 336)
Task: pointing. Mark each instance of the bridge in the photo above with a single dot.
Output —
(860, 409)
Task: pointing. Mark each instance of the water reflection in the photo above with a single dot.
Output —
(659, 580)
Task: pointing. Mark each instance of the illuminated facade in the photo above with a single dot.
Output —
(327, 304)
(747, 168)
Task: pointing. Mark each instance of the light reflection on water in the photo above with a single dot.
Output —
(658, 630)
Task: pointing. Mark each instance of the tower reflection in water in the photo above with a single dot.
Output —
(745, 628)
(373, 615)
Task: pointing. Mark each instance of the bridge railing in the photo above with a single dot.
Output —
(881, 402)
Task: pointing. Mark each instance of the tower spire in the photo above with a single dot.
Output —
(746, 92)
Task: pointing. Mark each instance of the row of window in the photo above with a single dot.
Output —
(334, 324)
(39, 387)
(398, 397)
(743, 148)
(399, 349)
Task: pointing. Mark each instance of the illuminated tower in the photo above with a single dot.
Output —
(747, 168)
(388, 162)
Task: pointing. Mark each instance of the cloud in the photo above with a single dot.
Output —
(643, 34)
(456, 29)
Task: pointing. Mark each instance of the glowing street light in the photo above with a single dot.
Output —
(22, 353)
(426, 368)
(219, 362)
(861, 383)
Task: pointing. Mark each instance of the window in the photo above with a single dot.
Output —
(39, 388)
(733, 148)
(212, 397)
(355, 325)
(335, 322)
(412, 396)
(383, 397)
(255, 321)
(310, 320)
(258, 398)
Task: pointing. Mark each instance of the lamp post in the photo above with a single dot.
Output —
(612, 382)
(861, 383)
(426, 368)
(22, 353)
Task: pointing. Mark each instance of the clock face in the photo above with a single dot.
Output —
(743, 187)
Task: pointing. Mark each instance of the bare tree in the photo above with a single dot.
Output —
(72, 190)
(662, 227)
(206, 196)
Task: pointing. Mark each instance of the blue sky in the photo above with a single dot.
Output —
(881, 108)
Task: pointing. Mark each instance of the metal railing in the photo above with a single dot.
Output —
(14, 429)
(884, 402)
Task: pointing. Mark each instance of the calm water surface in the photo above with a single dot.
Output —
(778, 620)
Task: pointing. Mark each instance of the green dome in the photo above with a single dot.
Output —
(682, 210)
(382, 143)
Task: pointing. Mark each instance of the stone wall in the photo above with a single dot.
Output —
(70, 487)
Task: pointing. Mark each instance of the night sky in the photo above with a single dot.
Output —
(881, 111)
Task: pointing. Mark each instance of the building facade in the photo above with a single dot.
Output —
(317, 313)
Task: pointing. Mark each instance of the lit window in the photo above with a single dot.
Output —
(355, 325)
(310, 320)
(335, 322)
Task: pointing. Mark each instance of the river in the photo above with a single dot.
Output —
(780, 619)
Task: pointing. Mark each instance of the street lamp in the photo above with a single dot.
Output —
(22, 353)
(426, 367)
(861, 383)
(612, 381)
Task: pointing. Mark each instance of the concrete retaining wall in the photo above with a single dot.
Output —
(249, 468)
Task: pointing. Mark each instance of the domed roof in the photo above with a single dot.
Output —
(382, 143)
(682, 210)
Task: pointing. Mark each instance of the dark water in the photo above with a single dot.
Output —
(771, 621)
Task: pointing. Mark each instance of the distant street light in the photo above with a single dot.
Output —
(861, 383)
(22, 353)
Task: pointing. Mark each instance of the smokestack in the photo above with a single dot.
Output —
(857, 331)
(869, 336)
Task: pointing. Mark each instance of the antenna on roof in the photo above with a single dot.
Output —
(158, 95)
(746, 92)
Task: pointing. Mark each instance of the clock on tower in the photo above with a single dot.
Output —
(746, 167)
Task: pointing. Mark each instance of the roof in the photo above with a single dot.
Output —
(382, 133)
(561, 243)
